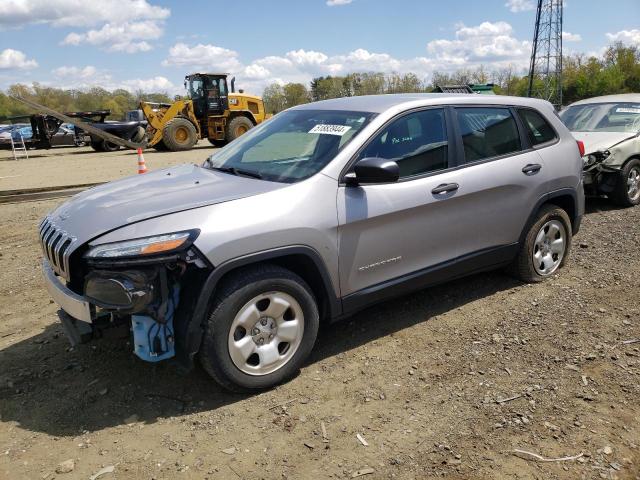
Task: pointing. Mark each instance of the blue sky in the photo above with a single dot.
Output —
(152, 44)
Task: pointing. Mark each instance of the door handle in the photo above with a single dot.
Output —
(445, 188)
(531, 168)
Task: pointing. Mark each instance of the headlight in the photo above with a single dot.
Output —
(144, 246)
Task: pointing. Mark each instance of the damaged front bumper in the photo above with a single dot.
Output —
(83, 318)
(75, 305)
(76, 314)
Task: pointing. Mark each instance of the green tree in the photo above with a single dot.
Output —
(273, 97)
(295, 94)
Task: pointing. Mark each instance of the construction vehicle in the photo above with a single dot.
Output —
(212, 112)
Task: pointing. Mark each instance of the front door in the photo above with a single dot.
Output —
(389, 231)
(217, 99)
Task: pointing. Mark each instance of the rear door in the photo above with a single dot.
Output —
(500, 179)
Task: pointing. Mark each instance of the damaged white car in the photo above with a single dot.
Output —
(609, 128)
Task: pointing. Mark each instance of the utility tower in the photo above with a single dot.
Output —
(545, 70)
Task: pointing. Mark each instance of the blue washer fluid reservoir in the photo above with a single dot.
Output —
(153, 341)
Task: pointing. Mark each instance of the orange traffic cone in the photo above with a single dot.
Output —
(142, 167)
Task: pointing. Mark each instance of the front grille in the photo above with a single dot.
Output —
(56, 246)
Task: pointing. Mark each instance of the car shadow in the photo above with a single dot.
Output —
(45, 386)
(600, 204)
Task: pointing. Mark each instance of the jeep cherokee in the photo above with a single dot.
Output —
(323, 210)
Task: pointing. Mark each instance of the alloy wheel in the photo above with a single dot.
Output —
(266, 333)
(549, 247)
(633, 184)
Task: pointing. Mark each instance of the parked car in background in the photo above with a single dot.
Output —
(317, 213)
(68, 135)
(129, 130)
(609, 127)
(15, 132)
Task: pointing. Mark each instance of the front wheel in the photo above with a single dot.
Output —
(627, 191)
(238, 126)
(546, 245)
(263, 325)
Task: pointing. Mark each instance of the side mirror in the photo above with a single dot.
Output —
(373, 170)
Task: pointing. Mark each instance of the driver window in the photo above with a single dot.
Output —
(417, 142)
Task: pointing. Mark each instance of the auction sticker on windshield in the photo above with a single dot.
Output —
(339, 130)
(628, 110)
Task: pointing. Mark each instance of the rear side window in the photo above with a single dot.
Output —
(487, 132)
(537, 128)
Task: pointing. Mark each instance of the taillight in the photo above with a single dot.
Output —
(580, 147)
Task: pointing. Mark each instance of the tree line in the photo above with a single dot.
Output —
(617, 71)
(118, 101)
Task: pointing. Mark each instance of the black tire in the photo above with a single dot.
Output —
(139, 135)
(217, 143)
(97, 146)
(237, 126)
(109, 147)
(241, 287)
(179, 134)
(621, 195)
(523, 265)
(160, 146)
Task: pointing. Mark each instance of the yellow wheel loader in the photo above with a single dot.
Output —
(212, 112)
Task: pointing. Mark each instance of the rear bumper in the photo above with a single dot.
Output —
(75, 305)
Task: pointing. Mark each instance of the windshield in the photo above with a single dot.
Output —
(291, 146)
(603, 117)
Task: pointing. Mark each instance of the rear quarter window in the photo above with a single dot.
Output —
(537, 127)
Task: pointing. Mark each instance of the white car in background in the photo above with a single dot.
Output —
(609, 128)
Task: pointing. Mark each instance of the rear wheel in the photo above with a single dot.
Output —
(262, 326)
(237, 127)
(179, 134)
(627, 191)
(546, 245)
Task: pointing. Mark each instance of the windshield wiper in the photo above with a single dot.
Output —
(237, 172)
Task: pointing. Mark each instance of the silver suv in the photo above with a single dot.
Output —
(321, 211)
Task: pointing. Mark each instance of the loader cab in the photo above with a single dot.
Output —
(209, 93)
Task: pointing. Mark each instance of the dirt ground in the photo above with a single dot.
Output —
(63, 166)
(445, 383)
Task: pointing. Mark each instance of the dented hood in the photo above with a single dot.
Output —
(595, 141)
(98, 210)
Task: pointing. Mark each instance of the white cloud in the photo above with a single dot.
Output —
(155, 84)
(491, 44)
(82, 78)
(630, 37)
(335, 3)
(208, 57)
(571, 37)
(11, 59)
(485, 43)
(77, 13)
(85, 72)
(123, 25)
(129, 37)
(520, 5)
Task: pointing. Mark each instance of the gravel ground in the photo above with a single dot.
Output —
(445, 383)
